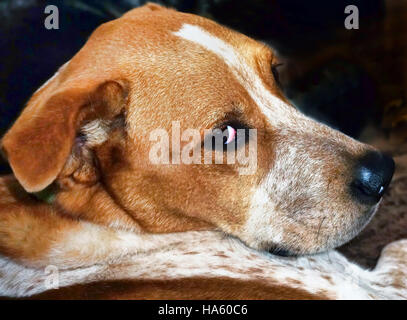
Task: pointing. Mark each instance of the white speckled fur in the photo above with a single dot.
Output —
(330, 274)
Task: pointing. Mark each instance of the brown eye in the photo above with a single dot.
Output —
(235, 132)
(228, 133)
(276, 75)
(231, 134)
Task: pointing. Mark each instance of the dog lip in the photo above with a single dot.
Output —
(367, 217)
(361, 223)
(281, 252)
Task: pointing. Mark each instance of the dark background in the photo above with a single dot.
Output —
(338, 76)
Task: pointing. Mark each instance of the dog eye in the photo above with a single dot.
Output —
(230, 135)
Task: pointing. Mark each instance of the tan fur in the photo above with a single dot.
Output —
(86, 133)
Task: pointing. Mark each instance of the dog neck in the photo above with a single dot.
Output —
(191, 256)
(97, 205)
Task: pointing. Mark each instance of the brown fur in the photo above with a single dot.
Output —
(133, 76)
(184, 289)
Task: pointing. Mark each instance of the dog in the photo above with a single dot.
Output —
(86, 202)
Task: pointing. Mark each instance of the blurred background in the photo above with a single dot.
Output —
(352, 80)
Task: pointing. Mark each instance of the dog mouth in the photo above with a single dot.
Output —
(281, 252)
(360, 225)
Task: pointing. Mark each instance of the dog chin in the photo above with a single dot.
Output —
(360, 224)
(283, 251)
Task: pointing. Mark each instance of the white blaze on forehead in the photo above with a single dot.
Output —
(241, 70)
(278, 113)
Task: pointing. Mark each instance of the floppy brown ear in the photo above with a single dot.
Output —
(41, 140)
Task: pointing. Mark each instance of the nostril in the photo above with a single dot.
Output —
(373, 173)
(368, 191)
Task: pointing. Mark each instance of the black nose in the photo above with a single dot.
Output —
(373, 173)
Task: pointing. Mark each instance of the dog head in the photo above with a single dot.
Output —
(93, 130)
